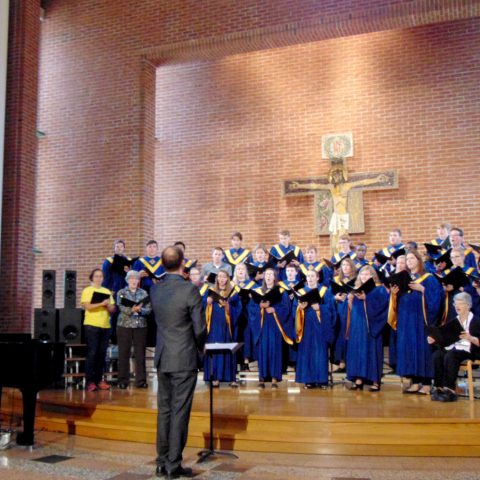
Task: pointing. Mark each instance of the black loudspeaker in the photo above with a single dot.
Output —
(70, 290)
(70, 325)
(48, 289)
(45, 326)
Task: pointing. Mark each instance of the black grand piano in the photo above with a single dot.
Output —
(31, 366)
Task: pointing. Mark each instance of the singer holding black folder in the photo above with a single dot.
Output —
(134, 306)
(98, 304)
(447, 359)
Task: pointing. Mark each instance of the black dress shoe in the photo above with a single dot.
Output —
(160, 471)
(180, 472)
(122, 386)
(447, 396)
(356, 386)
(436, 393)
(142, 385)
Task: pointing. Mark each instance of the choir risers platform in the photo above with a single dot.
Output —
(293, 420)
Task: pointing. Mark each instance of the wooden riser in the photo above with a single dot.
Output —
(317, 436)
(334, 422)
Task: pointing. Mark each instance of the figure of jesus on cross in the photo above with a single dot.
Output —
(338, 197)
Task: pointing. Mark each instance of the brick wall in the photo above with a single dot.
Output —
(262, 112)
(17, 262)
(230, 130)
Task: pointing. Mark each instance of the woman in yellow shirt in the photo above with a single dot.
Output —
(98, 304)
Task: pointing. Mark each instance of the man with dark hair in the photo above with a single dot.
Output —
(150, 265)
(181, 335)
(236, 254)
(216, 264)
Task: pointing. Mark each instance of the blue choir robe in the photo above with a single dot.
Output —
(112, 280)
(288, 286)
(221, 327)
(314, 334)
(269, 332)
(439, 242)
(430, 267)
(278, 251)
(338, 256)
(260, 265)
(339, 345)
(470, 260)
(243, 331)
(408, 314)
(149, 264)
(361, 263)
(449, 312)
(321, 268)
(235, 256)
(364, 337)
(387, 268)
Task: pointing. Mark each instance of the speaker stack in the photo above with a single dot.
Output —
(70, 319)
(46, 318)
(64, 324)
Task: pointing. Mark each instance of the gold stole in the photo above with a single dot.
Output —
(296, 251)
(285, 337)
(151, 268)
(240, 258)
(208, 316)
(347, 330)
(392, 307)
(300, 317)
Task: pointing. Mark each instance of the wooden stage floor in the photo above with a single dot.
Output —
(290, 419)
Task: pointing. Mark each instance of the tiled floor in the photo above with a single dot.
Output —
(58, 456)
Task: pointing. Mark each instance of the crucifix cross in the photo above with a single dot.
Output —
(339, 197)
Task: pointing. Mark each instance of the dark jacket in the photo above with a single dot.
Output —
(181, 325)
(474, 330)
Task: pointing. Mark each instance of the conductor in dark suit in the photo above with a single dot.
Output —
(181, 335)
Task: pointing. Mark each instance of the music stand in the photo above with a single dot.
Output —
(212, 349)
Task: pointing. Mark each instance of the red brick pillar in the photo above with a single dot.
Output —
(16, 269)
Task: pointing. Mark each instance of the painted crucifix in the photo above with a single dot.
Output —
(339, 198)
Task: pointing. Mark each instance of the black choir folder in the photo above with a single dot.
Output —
(311, 297)
(126, 302)
(287, 257)
(401, 279)
(253, 270)
(342, 287)
(446, 334)
(216, 296)
(273, 296)
(99, 297)
(455, 277)
(119, 263)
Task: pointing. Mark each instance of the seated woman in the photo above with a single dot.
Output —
(368, 316)
(222, 309)
(97, 330)
(134, 306)
(314, 332)
(447, 360)
(270, 328)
